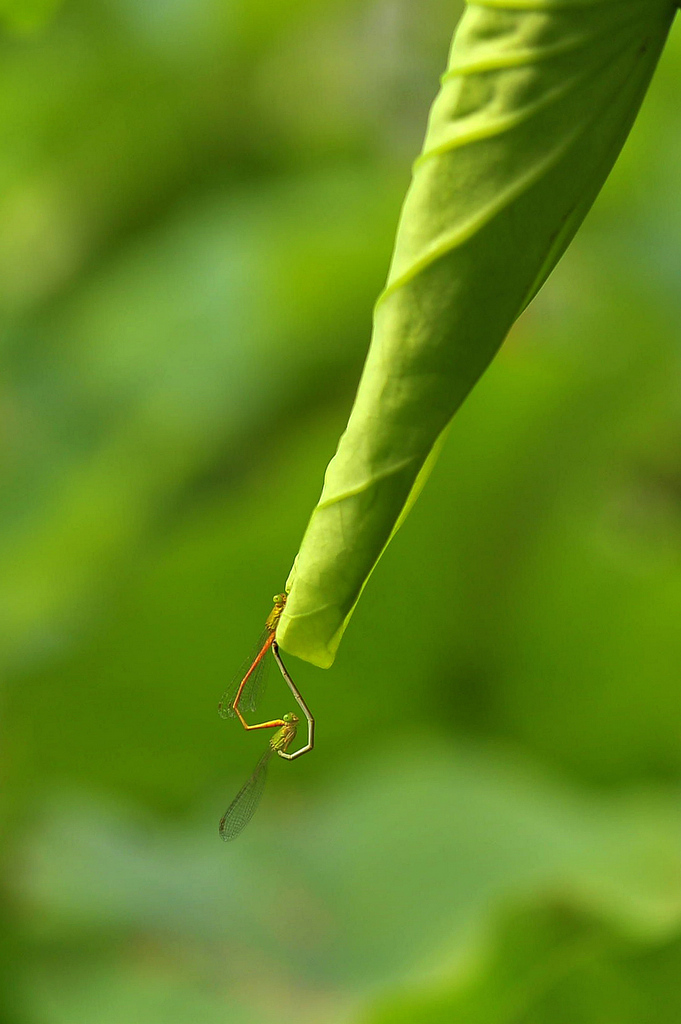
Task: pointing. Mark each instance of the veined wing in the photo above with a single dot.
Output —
(256, 668)
(244, 804)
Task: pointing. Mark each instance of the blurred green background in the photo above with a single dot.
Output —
(197, 210)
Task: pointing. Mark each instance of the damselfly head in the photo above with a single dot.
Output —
(291, 718)
(275, 614)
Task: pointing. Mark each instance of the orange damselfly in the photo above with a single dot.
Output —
(248, 686)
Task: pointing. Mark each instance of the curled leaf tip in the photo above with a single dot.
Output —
(536, 103)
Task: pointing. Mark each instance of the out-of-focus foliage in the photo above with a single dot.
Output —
(197, 213)
(26, 16)
(551, 965)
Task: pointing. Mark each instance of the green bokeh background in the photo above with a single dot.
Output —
(197, 210)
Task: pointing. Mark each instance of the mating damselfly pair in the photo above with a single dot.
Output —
(244, 694)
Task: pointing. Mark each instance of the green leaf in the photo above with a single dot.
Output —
(534, 108)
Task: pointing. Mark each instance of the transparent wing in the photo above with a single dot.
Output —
(244, 804)
(254, 687)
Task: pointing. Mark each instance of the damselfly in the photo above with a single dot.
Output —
(244, 804)
(246, 689)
